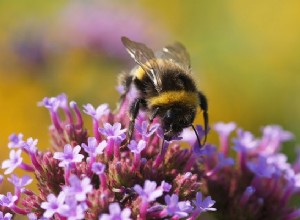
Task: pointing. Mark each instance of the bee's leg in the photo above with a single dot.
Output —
(152, 116)
(125, 79)
(133, 112)
(198, 139)
(204, 107)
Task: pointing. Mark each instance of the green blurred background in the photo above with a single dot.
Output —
(245, 55)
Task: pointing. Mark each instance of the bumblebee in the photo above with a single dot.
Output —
(166, 88)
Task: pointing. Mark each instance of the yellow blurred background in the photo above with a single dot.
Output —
(245, 55)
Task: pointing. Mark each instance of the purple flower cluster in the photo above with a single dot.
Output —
(99, 176)
(261, 184)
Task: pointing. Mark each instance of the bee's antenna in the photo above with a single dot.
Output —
(198, 139)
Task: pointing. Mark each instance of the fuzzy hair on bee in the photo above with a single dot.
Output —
(166, 89)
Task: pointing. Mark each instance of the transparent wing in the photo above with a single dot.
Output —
(177, 53)
(145, 58)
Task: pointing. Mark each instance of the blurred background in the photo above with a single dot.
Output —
(245, 56)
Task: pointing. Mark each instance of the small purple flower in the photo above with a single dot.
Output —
(279, 160)
(273, 136)
(8, 201)
(53, 104)
(54, 204)
(261, 168)
(277, 133)
(224, 161)
(13, 162)
(204, 205)
(62, 100)
(176, 208)
(115, 213)
(296, 181)
(224, 129)
(137, 147)
(74, 210)
(145, 129)
(98, 168)
(113, 131)
(94, 148)
(70, 155)
(30, 145)
(166, 187)
(7, 216)
(207, 151)
(50, 103)
(97, 113)
(15, 141)
(150, 192)
(32, 216)
(79, 188)
(20, 182)
(245, 142)
(221, 163)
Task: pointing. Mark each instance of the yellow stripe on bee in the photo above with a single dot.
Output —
(139, 73)
(173, 97)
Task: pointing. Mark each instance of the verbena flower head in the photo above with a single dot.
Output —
(99, 176)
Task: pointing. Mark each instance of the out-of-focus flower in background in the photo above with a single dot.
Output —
(93, 27)
(99, 25)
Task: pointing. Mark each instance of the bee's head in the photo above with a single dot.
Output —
(175, 120)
